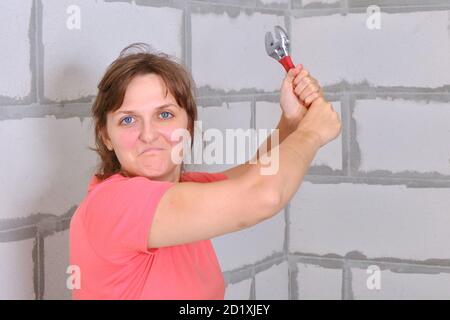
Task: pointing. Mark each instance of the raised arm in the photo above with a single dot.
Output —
(190, 211)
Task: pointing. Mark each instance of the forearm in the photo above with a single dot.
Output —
(285, 127)
(294, 155)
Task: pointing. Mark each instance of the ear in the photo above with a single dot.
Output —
(106, 140)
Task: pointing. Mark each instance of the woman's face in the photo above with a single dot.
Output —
(146, 119)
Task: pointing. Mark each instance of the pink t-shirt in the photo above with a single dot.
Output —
(108, 242)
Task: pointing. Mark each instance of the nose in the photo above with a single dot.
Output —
(149, 132)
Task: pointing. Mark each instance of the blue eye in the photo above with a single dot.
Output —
(165, 112)
(128, 117)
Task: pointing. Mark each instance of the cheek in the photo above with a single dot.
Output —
(128, 139)
(172, 134)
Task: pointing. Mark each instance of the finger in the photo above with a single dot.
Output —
(308, 91)
(302, 86)
(311, 79)
(303, 74)
(314, 79)
(310, 99)
(293, 73)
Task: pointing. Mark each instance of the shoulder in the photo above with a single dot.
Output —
(121, 191)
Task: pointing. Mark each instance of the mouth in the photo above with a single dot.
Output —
(149, 150)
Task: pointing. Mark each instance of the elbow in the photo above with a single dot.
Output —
(273, 202)
(264, 207)
(270, 203)
(265, 201)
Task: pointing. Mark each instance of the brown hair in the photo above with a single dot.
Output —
(112, 87)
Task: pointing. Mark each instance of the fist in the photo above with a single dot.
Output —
(306, 88)
(298, 91)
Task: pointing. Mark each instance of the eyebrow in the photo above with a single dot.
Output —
(134, 111)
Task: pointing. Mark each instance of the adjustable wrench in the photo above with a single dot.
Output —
(279, 48)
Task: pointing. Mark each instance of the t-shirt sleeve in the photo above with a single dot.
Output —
(119, 216)
(204, 176)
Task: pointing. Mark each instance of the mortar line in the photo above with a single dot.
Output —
(287, 234)
(39, 53)
(253, 287)
(419, 264)
(234, 5)
(347, 283)
(346, 134)
(187, 36)
(34, 47)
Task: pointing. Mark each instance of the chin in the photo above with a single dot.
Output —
(157, 172)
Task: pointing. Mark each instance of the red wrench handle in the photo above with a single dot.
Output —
(287, 63)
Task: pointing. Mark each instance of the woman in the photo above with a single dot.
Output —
(144, 229)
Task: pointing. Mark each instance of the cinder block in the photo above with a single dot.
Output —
(239, 290)
(378, 221)
(16, 270)
(342, 48)
(399, 286)
(56, 259)
(248, 246)
(232, 116)
(228, 116)
(400, 135)
(267, 117)
(15, 16)
(76, 59)
(318, 283)
(236, 60)
(273, 283)
(48, 161)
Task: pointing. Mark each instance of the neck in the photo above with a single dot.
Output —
(173, 176)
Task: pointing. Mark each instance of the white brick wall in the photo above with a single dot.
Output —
(50, 170)
(47, 164)
(16, 270)
(400, 135)
(15, 81)
(75, 60)
(378, 221)
(56, 253)
(337, 48)
(229, 53)
(318, 283)
(273, 283)
(399, 286)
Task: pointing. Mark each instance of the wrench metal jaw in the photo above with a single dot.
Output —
(280, 47)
